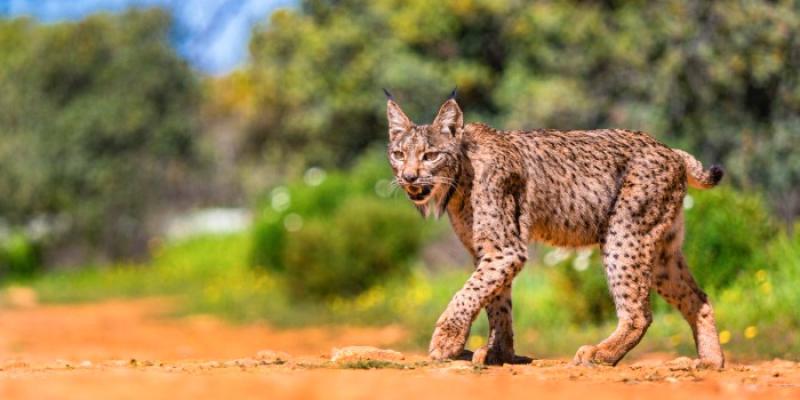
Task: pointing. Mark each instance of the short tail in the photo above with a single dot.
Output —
(697, 176)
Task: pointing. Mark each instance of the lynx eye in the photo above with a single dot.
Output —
(398, 155)
(431, 156)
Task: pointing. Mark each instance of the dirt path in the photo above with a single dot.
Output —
(125, 350)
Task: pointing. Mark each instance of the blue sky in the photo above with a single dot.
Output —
(211, 34)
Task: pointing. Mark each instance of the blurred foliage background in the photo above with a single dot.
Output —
(108, 137)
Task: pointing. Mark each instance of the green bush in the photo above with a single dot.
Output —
(763, 301)
(337, 235)
(98, 127)
(725, 230)
(777, 282)
(362, 243)
(20, 257)
(771, 286)
(580, 284)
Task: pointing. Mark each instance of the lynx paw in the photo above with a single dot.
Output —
(590, 356)
(447, 343)
(710, 364)
(493, 356)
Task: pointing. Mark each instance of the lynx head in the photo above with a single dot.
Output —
(425, 159)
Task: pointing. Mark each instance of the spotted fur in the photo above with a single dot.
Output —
(618, 189)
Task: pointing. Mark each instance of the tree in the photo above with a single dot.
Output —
(720, 79)
(96, 127)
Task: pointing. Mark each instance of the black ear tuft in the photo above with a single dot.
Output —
(388, 95)
(453, 94)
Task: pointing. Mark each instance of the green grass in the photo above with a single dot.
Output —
(210, 275)
(372, 364)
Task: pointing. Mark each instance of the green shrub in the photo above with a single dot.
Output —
(725, 230)
(99, 123)
(339, 235)
(764, 301)
(771, 286)
(363, 242)
(20, 257)
(580, 284)
(296, 199)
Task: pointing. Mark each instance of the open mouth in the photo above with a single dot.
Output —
(418, 193)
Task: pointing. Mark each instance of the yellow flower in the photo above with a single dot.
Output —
(750, 332)
(761, 275)
(725, 336)
(475, 341)
(766, 287)
(462, 7)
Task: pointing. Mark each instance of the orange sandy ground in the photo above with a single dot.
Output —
(125, 350)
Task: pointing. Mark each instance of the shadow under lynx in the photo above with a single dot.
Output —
(619, 189)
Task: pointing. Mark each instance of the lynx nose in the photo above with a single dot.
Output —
(409, 177)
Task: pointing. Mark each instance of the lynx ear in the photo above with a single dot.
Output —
(398, 121)
(450, 119)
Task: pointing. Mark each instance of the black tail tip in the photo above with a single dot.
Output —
(717, 173)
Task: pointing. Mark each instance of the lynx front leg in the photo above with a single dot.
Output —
(495, 271)
(496, 241)
(500, 346)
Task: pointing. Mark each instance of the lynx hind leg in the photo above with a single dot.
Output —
(626, 258)
(674, 282)
(499, 348)
(646, 207)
